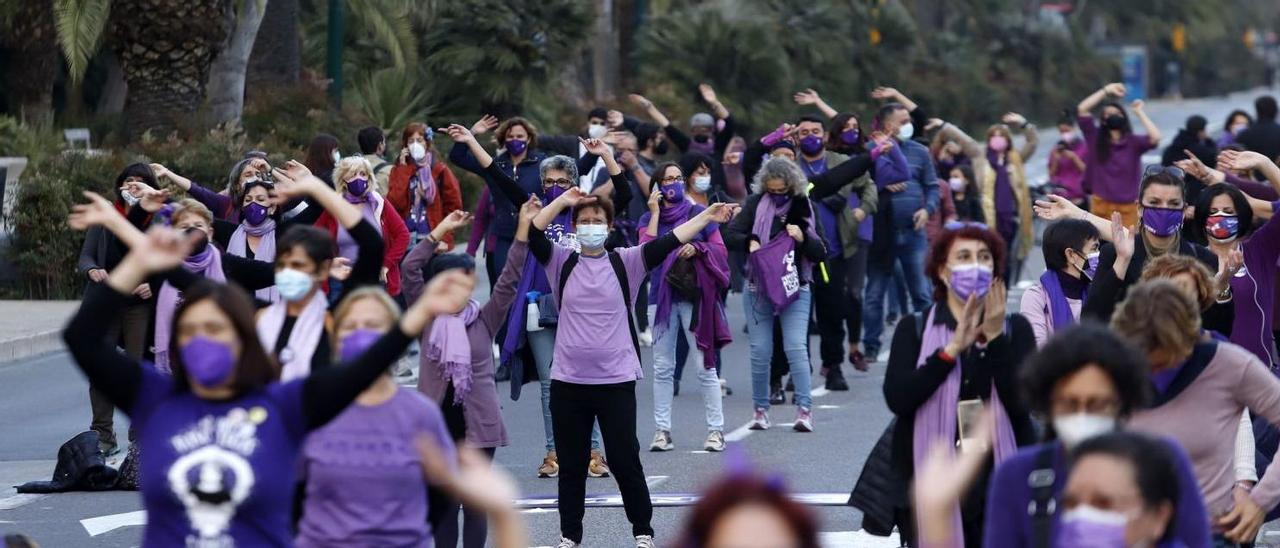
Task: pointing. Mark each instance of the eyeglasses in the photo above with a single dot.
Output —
(957, 225)
(562, 183)
(1156, 169)
(1098, 406)
(671, 179)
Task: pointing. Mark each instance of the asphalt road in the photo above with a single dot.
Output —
(44, 401)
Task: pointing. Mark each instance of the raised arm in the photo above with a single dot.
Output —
(709, 95)
(1153, 132)
(411, 269)
(1251, 161)
(657, 250)
(810, 97)
(649, 108)
(1086, 106)
(1031, 137)
(500, 181)
(972, 148)
(1054, 207)
(885, 93)
(504, 294)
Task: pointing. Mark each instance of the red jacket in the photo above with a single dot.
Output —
(394, 235)
(448, 193)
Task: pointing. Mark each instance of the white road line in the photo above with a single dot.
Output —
(739, 433)
(105, 524)
(17, 501)
(828, 406)
(856, 539)
(654, 481)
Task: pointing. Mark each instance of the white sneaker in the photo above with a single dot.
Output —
(566, 543)
(715, 442)
(645, 541)
(646, 337)
(759, 420)
(661, 441)
(804, 420)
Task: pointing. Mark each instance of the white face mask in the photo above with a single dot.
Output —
(417, 151)
(957, 184)
(592, 236)
(596, 131)
(129, 199)
(292, 284)
(1075, 428)
(337, 157)
(906, 131)
(702, 184)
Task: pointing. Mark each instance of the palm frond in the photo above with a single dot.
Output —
(389, 25)
(391, 98)
(80, 24)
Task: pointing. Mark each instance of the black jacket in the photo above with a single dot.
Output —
(1262, 137)
(1107, 291)
(737, 235)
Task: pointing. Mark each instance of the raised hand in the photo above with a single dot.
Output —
(292, 182)
(640, 101)
(149, 199)
(459, 133)
(97, 212)
(1014, 119)
(1242, 160)
(595, 146)
(721, 212)
(454, 220)
(575, 196)
(993, 309)
(732, 158)
(340, 268)
(806, 97)
(1121, 238)
(1115, 89)
(614, 119)
(1054, 207)
(447, 292)
(294, 169)
(485, 124)
(163, 248)
(160, 170)
(884, 92)
(708, 93)
(1137, 105)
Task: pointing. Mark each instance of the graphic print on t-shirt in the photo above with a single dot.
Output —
(212, 475)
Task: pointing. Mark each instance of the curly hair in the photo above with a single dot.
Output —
(1168, 266)
(1079, 346)
(1158, 315)
(500, 134)
(347, 167)
(780, 168)
(941, 249)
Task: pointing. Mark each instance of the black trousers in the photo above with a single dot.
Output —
(574, 407)
(129, 331)
(831, 303)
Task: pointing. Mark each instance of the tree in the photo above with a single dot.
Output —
(166, 48)
(277, 53)
(31, 35)
(227, 74)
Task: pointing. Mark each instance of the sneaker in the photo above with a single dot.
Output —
(661, 441)
(804, 420)
(550, 466)
(108, 449)
(645, 541)
(858, 361)
(566, 543)
(776, 395)
(646, 337)
(725, 390)
(715, 442)
(759, 420)
(835, 380)
(597, 468)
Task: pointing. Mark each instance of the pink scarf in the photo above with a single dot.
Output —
(295, 358)
(449, 347)
(425, 180)
(239, 246)
(207, 263)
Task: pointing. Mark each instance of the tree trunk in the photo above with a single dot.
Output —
(166, 48)
(33, 65)
(277, 53)
(114, 89)
(227, 75)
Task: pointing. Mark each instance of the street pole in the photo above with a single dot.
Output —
(333, 65)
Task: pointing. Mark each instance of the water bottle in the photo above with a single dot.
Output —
(531, 313)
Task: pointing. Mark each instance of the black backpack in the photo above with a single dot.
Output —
(620, 270)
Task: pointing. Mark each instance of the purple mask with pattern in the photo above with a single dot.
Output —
(1162, 221)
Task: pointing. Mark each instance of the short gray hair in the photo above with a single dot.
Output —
(780, 168)
(560, 162)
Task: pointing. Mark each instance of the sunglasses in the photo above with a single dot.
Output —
(562, 183)
(957, 225)
(1155, 169)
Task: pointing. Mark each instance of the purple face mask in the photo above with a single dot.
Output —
(1090, 527)
(357, 342)
(811, 144)
(673, 192)
(1162, 222)
(208, 362)
(849, 137)
(553, 192)
(357, 187)
(516, 147)
(779, 200)
(254, 213)
(970, 279)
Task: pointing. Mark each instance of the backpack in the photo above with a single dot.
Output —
(619, 270)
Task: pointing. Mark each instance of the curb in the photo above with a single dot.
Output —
(28, 346)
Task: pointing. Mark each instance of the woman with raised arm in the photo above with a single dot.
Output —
(225, 205)
(710, 134)
(222, 437)
(1115, 152)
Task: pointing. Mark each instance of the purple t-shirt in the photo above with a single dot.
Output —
(1069, 176)
(364, 478)
(1117, 179)
(1253, 289)
(217, 473)
(593, 338)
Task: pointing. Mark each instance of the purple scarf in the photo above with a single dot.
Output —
(1006, 209)
(762, 228)
(669, 218)
(709, 326)
(1059, 308)
(370, 205)
(207, 263)
(426, 180)
(708, 148)
(239, 246)
(295, 358)
(936, 420)
(532, 278)
(449, 347)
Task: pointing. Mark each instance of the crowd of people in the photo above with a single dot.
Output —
(256, 331)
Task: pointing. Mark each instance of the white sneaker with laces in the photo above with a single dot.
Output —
(566, 543)
(759, 420)
(645, 541)
(715, 442)
(662, 441)
(804, 420)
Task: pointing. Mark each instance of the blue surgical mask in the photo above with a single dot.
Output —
(702, 184)
(292, 284)
(592, 236)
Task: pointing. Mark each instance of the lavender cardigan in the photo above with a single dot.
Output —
(483, 413)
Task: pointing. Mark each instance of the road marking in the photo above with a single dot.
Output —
(654, 481)
(105, 524)
(828, 407)
(856, 539)
(669, 499)
(17, 501)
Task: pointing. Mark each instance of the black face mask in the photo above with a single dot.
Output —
(701, 138)
(1115, 121)
(660, 148)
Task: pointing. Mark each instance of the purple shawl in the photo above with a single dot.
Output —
(762, 227)
(370, 205)
(669, 218)
(709, 326)
(1059, 308)
(1006, 208)
(936, 420)
(239, 246)
(295, 357)
(426, 181)
(532, 278)
(449, 348)
(207, 263)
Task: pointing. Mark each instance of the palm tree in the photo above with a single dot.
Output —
(231, 66)
(166, 48)
(36, 30)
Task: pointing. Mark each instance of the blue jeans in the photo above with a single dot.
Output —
(795, 335)
(907, 252)
(664, 365)
(543, 344)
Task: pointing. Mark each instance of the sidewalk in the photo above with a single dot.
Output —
(31, 328)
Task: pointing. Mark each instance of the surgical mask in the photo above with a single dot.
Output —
(337, 156)
(849, 136)
(292, 284)
(356, 342)
(998, 143)
(702, 183)
(1162, 221)
(811, 144)
(596, 131)
(255, 214)
(1088, 527)
(516, 147)
(1068, 136)
(1091, 264)
(1115, 121)
(970, 279)
(417, 151)
(357, 187)
(906, 131)
(673, 192)
(129, 199)
(779, 200)
(1222, 228)
(592, 236)
(957, 184)
(208, 362)
(1075, 428)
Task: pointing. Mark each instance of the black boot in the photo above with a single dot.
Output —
(835, 379)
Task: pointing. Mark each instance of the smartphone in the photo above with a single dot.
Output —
(967, 414)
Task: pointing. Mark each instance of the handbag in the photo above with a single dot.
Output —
(774, 272)
(683, 279)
